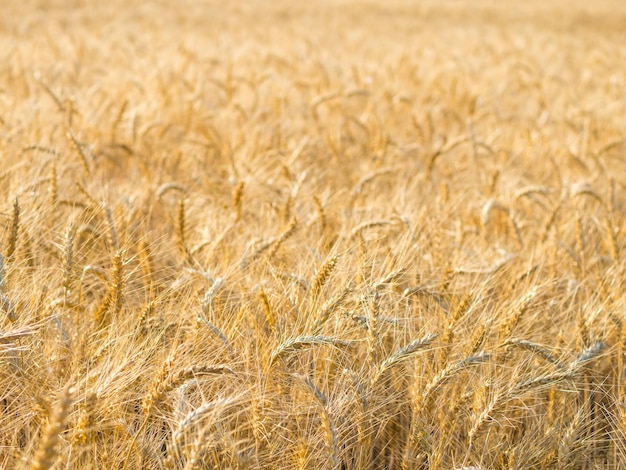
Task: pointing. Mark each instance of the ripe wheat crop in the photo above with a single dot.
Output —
(302, 235)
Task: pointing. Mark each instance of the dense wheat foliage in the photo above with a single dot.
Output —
(301, 235)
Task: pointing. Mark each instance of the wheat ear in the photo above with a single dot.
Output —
(117, 121)
(53, 191)
(321, 215)
(328, 308)
(166, 384)
(68, 258)
(13, 231)
(3, 279)
(192, 418)
(283, 237)
(237, 198)
(322, 276)
(270, 315)
(180, 226)
(403, 354)
(114, 298)
(330, 434)
(47, 452)
(513, 320)
(79, 150)
(295, 344)
(612, 236)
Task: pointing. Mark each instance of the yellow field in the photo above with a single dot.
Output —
(329, 234)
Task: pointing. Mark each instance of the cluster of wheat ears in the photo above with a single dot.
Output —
(339, 235)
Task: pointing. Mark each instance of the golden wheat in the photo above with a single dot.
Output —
(312, 234)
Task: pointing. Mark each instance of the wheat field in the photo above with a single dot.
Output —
(312, 235)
